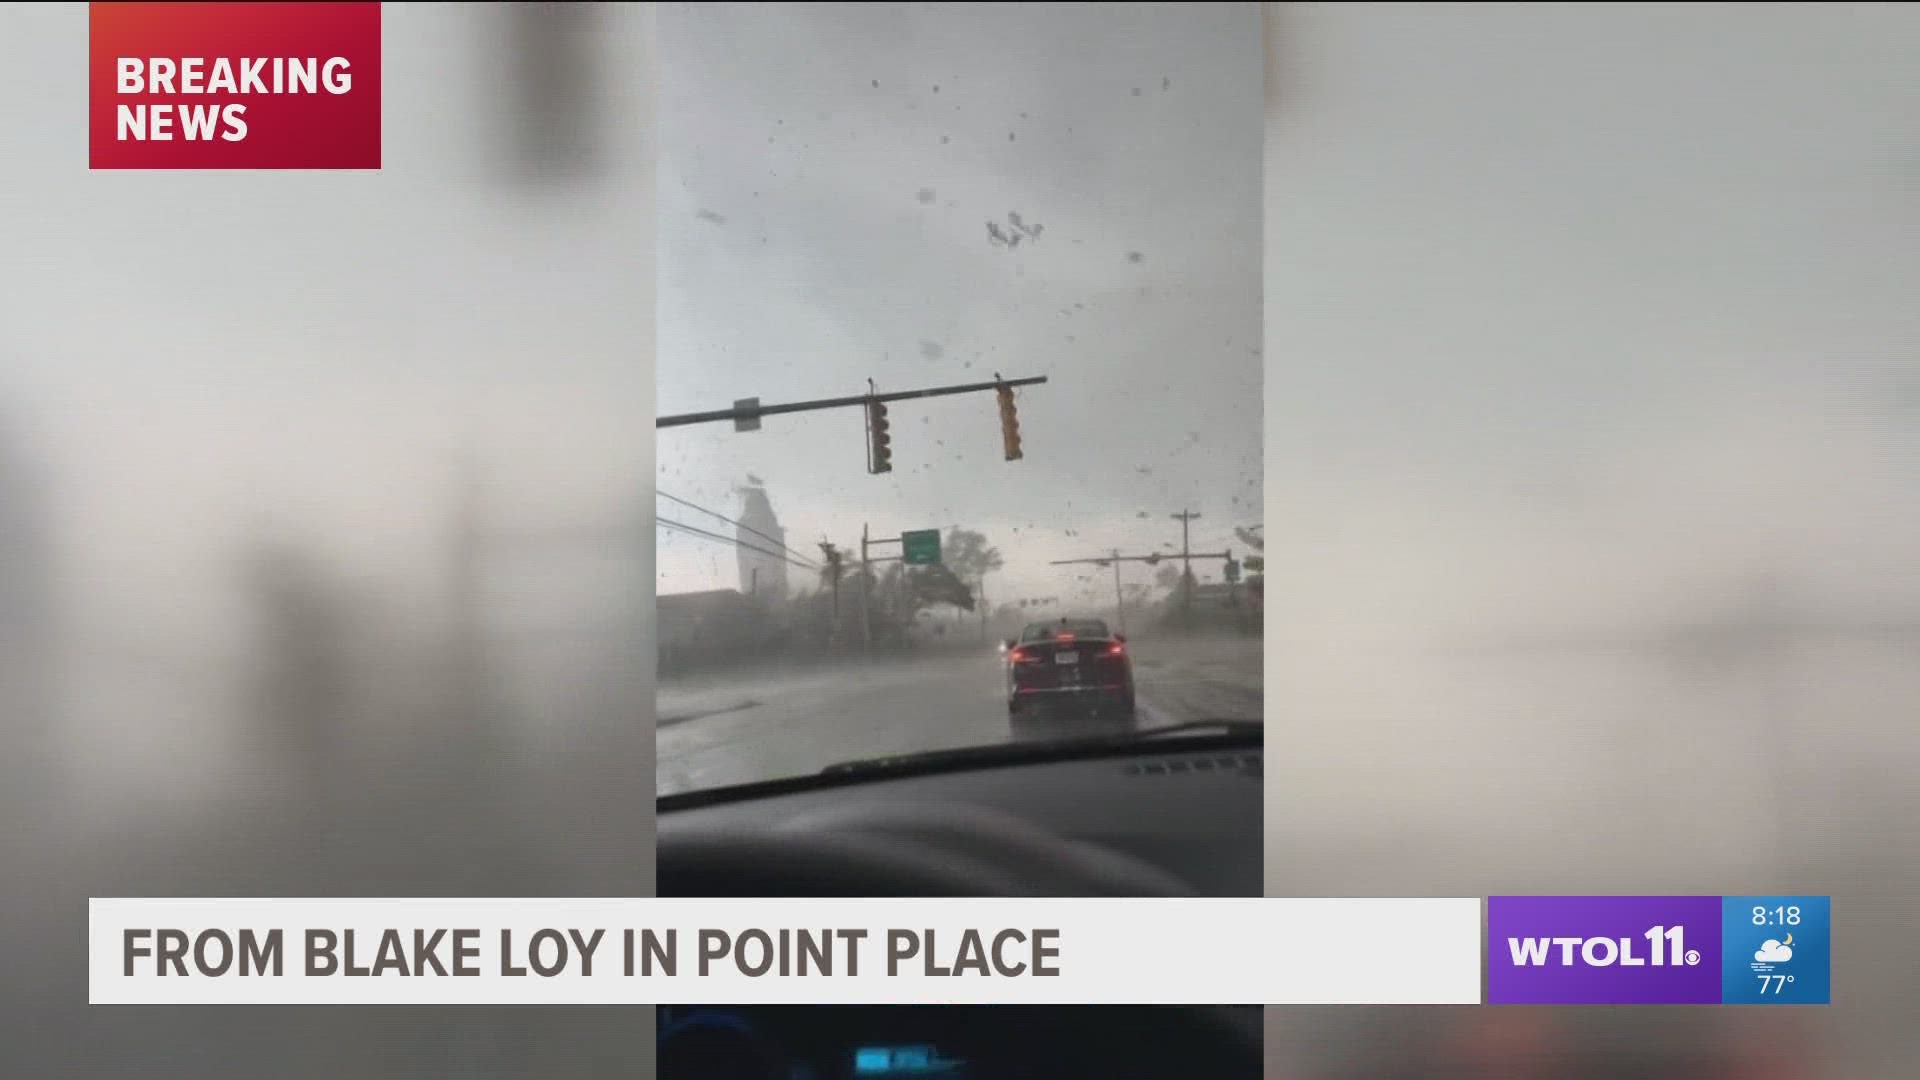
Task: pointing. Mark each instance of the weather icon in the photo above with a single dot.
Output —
(1771, 952)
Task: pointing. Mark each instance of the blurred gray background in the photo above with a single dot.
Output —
(325, 566)
(1592, 395)
(1590, 435)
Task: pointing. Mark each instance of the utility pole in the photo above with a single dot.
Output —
(868, 541)
(1186, 518)
(832, 556)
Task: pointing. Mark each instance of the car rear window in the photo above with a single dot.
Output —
(1079, 628)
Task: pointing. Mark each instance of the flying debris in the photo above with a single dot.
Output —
(1011, 234)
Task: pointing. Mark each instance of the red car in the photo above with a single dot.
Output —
(1074, 663)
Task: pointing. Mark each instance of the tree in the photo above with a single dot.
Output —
(968, 554)
(931, 585)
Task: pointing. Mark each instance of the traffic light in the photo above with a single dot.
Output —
(880, 443)
(1009, 423)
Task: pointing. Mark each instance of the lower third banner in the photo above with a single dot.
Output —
(1252, 951)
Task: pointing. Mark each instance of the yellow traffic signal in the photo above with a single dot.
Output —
(1009, 423)
(880, 443)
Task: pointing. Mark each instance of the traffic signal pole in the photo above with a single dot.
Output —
(1116, 559)
(866, 583)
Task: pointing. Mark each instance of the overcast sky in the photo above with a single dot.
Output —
(827, 178)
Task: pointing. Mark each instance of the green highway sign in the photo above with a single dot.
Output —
(921, 547)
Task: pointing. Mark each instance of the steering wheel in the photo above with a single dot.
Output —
(950, 850)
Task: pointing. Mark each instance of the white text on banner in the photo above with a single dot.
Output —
(1265, 951)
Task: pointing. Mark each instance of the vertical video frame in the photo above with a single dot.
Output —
(960, 578)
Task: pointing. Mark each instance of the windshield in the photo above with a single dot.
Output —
(960, 336)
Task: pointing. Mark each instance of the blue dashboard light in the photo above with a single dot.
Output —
(901, 1061)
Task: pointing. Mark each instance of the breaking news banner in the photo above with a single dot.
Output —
(234, 86)
(1658, 950)
(1253, 951)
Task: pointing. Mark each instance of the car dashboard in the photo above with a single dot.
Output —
(831, 1042)
(1189, 807)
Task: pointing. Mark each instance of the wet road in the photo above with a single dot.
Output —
(744, 726)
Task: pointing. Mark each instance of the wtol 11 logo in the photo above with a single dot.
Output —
(1654, 950)
(1666, 947)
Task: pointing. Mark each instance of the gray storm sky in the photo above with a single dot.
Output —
(827, 177)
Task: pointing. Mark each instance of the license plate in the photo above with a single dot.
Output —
(1066, 658)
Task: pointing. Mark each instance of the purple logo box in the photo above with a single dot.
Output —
(1603, 950)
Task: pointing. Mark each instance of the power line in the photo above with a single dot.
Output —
(777, 543)
(695, 531)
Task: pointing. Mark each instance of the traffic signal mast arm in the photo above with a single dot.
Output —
(1155, 558)
(859, 400)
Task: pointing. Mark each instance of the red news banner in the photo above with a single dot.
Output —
(234, 86)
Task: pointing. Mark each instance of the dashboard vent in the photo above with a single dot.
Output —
(1247, 765)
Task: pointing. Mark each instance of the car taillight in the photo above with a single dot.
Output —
(1017, 655)
(1116, 649)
